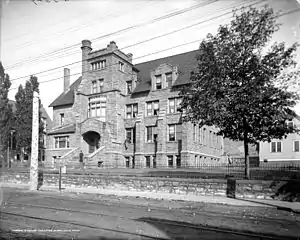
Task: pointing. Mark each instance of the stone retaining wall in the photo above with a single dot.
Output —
(247, 189)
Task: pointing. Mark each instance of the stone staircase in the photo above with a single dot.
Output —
(70, 159)
(96, 159)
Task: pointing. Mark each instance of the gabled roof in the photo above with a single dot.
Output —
(186, 62)
(66, 98)
(70, 128)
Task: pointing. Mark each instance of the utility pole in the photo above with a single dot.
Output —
(34, 143)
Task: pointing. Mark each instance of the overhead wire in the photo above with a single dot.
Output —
(169, 15)
(151, 39)
(76, 28)
(146, 55)
(142, 55)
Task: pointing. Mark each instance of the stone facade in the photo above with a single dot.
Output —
(109, 112)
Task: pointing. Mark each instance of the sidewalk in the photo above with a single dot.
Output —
(281, 205)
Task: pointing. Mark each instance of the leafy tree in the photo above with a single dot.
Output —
(236, 84)
(6, 115)
(23, 116)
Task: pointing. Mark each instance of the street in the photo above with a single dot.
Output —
(62, 215)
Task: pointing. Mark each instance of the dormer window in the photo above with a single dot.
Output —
(158, 82)
(129, 87)
(98, 65)
(121, 66)
(169, 79)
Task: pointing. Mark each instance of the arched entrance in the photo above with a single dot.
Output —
(92, 139)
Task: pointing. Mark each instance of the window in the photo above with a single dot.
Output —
(97, 107)
(44, 121)
(169, 79)
(199, 134)
(290, 124)
(121, 66)
(170, 161)
(152, 108)
(296, 146)
(154, 161)
(151, 133)
(158, 82)
(147, 161)
(62, 142)
(172, 132)
(178, 161)
(174, 105)
(175, 131)
(62, 119)
(129, 87)
(194, 132)
(131, 110)
(98, 65)
(129, 135)
(97, 85)
(127, 162)
(276, 147)
(101, 81)
(94, 86)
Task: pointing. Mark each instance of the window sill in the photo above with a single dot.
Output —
(100, 69)
(172, 114)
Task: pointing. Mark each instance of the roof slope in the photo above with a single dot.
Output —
(186, 62)
(66, 98)
(70, 128)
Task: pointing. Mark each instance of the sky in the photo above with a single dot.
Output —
(39, 37)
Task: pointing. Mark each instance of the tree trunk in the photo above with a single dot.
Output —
(246, 150)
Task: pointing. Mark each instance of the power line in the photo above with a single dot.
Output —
(180, 45)
(169, 15)
(76, 28)
(146, 55)
(53, 24)
(147, 40)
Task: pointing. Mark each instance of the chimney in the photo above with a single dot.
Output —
(66, 79)
(112, 45)
(130, 55)
(86, 48)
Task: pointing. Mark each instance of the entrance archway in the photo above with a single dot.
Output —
(92, 139)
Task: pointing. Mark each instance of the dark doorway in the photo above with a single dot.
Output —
(92, 139)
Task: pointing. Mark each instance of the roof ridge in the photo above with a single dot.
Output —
(158, 59)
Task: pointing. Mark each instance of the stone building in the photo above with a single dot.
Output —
(124, 115)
